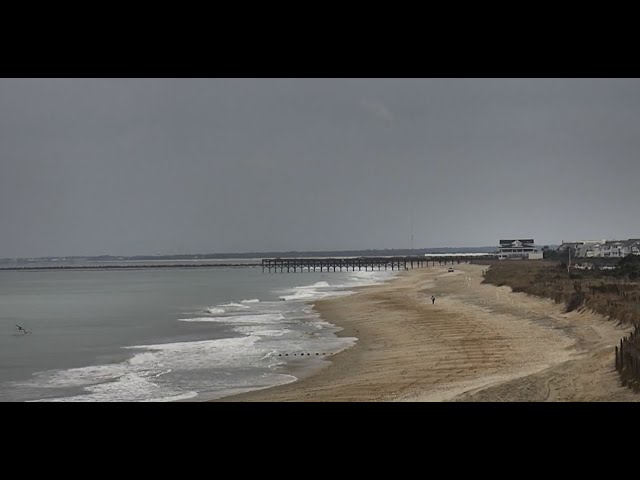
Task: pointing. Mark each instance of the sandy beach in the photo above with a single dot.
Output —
(476, 343)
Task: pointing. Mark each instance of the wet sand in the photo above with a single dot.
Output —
(477, 343)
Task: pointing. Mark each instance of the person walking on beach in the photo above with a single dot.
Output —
(433, 299)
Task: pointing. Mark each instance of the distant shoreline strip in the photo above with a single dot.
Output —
(130, 267)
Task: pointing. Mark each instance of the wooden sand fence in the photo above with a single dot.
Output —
(628, 358)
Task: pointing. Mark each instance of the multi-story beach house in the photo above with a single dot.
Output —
(589, 250)
(518, 249)
(614, 248)
(582, 248)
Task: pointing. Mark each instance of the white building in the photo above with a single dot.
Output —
(518, 249)
(609, 248)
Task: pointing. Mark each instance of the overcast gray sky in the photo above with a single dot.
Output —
(137, 166)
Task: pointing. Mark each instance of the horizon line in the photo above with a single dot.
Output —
(259, 253)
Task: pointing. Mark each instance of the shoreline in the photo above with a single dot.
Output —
(477, 343)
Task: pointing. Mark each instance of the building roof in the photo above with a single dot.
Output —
(566, 245)
(615, 243)
(523, 241)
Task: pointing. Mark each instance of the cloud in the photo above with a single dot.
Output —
(377, 109)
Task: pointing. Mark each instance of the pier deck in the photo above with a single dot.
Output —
(353, 263)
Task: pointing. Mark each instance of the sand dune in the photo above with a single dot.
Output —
(477, 343)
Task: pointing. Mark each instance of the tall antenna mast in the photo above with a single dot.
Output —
(410, 205)
(411, 213)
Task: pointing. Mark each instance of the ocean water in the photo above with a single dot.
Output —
(165, 334)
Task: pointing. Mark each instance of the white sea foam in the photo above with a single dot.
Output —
(307, 295)
(142, 359)
(234, 305)
(216, 310)
(202, 319)
(252, 300)
(199, 354)
(262, 331)
(128, 387)
(370, 278)
(324, 289)
(316, 285)
(140, 378)
(265, 318)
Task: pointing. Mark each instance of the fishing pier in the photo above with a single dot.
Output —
(355, 263)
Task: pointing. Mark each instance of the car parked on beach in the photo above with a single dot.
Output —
(450, 269)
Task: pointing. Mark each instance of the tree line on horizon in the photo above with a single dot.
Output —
(293, 254)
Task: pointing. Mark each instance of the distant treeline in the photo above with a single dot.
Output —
(290, 254)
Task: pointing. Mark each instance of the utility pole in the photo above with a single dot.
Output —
(569, 264)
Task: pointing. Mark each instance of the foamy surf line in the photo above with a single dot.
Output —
(267, 318)
(304, 296)
(211, 369)
(277, 328)
(143, 377)
(232, 306)
(324, 289)
(216, 311)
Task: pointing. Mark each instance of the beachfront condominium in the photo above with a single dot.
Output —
(603, 248)
(518, 249)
